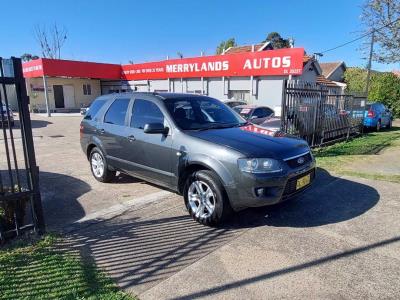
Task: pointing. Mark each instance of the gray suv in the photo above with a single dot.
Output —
(196, 146)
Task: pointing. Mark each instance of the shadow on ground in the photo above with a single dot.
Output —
(59, 197)
(138, 252)
(329, 200)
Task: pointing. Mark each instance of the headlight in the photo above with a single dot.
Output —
(259, 165)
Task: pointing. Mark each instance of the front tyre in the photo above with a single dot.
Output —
(205, 198)
(99, 167)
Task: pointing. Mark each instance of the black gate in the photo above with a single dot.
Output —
(313, 112)
(20, 200)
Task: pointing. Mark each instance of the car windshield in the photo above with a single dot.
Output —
(243, 111)
(201, 113)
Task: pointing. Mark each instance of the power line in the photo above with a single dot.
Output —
(359, 38)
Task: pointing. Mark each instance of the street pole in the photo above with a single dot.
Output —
(371, 50)
(291, 42)
(46, 96)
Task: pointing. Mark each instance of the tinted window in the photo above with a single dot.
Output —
(201, 113)
(94, 108)
(117, 111)
(262, 112)
(145, 112)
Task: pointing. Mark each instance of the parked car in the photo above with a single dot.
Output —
(6, 112)
(377, 115)
(233, 103)
(254, 114)
(195, 146)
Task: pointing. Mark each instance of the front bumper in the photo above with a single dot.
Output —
(275, 188)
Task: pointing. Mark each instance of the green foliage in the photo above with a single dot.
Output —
(39, 271)
(277, 41)
(384, 87)
(28, 57)
(225, 45)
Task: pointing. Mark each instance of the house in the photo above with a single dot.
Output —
(333, 71)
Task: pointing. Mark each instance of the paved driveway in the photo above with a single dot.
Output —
(341, 240)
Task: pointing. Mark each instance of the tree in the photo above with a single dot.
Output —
(384, 87)
(277, 41)
(385, 16)
(28, 57)
(51, 40)
(224, 45)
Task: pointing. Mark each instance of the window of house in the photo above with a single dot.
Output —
(145, 112)
(117, 111)
(87, 89)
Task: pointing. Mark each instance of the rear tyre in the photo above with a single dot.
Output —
(99, 167)
(206, 199)
(378, 126)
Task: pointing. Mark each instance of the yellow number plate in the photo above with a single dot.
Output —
(303, 181)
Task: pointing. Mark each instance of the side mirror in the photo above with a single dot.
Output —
(153, 128)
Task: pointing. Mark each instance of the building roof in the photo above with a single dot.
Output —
(249, 48)
(321, 79)
(396, 72)
(329, 67)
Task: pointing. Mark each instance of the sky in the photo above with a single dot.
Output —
(119, 31)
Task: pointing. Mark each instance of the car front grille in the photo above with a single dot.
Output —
(290, 187)
(299, 160)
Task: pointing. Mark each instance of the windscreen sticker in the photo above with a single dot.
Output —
(245, 111)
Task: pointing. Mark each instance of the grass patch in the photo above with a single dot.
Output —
(370, 143)
(338, 157)
(37, 270)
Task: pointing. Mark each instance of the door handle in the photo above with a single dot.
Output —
(101, 131)
(131, 138)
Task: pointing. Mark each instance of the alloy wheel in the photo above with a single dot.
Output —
(201, 199)
(97, 165)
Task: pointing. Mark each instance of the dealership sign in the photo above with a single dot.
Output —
(280, 62)
(271, 62)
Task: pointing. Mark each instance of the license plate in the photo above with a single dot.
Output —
(303, 181)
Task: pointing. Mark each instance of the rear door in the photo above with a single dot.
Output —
(112, 131)
(149, 155)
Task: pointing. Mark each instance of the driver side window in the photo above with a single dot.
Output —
(145, 112)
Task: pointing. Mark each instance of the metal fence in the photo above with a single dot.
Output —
(316, 114)
(20, 200)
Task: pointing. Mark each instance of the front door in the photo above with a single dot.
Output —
(58, 96)
(69, 96)
(150, 155)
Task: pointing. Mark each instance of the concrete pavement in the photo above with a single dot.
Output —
(339, 240)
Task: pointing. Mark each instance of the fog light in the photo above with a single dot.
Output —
(260, 192)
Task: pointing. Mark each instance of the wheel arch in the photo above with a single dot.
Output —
(204, 164)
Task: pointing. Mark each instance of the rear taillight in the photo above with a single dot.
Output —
(371, 114)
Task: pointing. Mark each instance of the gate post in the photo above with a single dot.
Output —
(25, 120)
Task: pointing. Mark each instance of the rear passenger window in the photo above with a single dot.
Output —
(117, 111)
(94, 108)
(145, 112)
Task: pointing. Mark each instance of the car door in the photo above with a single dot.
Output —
(149, 155)
(260, 114)
(112, 131)
(386, 114)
